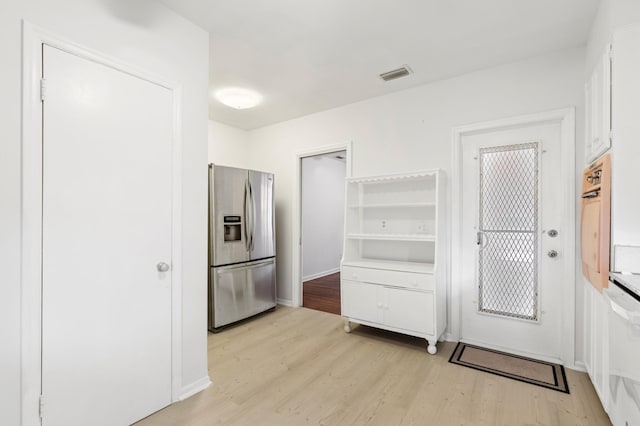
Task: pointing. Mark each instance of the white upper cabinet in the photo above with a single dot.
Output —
(598, 133)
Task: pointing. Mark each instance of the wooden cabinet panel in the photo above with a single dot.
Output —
(590, 240)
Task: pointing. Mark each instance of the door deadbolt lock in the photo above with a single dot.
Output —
(552, 233)
(552, 254)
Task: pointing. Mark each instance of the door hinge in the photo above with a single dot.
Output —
(41, 406)
(610, 51)
(611, 137)
(43, 89)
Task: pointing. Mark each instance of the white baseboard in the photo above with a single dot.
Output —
(448, 337)
(578, 366)
(285, 302)
(320, 274)
(194, 388)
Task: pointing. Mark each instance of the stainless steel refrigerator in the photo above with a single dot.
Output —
(242, 249)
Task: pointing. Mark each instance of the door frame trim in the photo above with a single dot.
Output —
(296, 247)
(31, 211)
(566, 118)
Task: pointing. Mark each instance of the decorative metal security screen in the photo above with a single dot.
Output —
(508, 231)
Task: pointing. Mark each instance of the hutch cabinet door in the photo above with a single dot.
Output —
(362, 301)
(409, 310)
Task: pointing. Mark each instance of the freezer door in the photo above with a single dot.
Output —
(240, 291)
(228, 197)
(262, 227)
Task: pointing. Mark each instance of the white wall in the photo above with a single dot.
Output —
(322, 214)
(411, 130)
(149, 37)
(228, 146)
(600, 33)
(611, 14)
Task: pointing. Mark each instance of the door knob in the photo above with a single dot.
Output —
(552, 233)
(552, 254)
(162, 267)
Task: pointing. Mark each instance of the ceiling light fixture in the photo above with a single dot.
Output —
(238, 98)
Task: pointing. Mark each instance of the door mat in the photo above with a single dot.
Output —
(540, 373)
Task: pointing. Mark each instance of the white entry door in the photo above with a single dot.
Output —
(512, 233)
(106, 306)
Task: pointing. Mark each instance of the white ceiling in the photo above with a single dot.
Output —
(306, 56)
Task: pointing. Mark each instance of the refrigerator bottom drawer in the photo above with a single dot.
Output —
(241, 291)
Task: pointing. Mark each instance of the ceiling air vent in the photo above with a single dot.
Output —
(392, 75)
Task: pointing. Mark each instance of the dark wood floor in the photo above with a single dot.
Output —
(323, 294)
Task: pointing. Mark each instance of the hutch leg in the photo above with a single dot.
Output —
(347, 326)
(431, 347)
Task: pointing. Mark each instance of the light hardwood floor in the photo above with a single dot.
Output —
(297, 366)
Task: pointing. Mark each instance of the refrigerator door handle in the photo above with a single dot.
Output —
(246, 215)
(211, 215)
(253, 215)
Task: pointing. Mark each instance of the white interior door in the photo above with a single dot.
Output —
(106, 306)
(512, 284)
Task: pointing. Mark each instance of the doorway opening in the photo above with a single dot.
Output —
(329, 214)
(322, 223)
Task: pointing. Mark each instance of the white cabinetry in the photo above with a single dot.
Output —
(625, 228)
(394, 264)
(596, 341)
(598, 109)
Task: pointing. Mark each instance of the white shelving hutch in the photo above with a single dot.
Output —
(393, 273)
